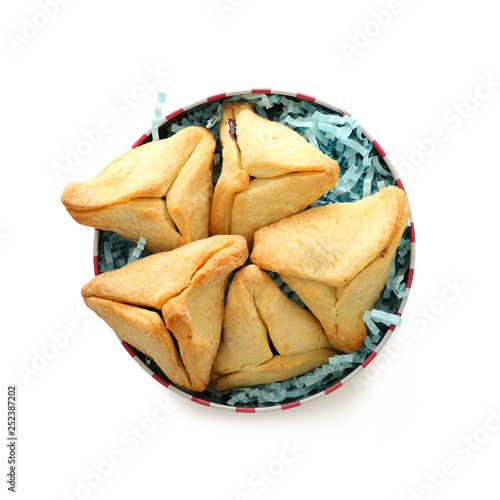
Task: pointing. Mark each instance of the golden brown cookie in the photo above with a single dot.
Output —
(337, 259)
(170, 305)
(266, 336)
(269, 172)
(161, 191)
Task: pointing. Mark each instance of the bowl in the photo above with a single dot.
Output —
(364, 169)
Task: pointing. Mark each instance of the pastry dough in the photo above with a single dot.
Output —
(170, 305)
(269, 172)
(257, 315)
(337, 259)
(161, 191)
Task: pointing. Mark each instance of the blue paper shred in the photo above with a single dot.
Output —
(123, 250)
(137, 251)
(157, 116)
(362, 172)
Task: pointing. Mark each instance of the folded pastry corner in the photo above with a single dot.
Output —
(161, 191)
(266, 336)
(264, 160)
(337, 259)
(170, 305)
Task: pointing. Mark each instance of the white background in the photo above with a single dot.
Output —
(426, 404)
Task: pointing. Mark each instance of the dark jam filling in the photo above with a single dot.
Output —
(232, 129)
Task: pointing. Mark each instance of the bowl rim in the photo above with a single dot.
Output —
(384, 339)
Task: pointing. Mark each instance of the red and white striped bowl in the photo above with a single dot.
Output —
(382, 342)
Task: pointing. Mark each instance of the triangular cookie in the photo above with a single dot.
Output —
(170, 305)
(161, 190)
(337, 259)
(269, 172)
(258, 320)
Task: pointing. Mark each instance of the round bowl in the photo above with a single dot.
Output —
(305, 105)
